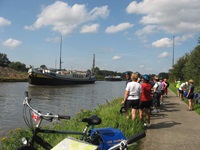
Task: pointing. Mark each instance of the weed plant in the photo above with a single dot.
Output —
(109, 113)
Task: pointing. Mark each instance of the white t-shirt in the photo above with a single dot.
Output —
(183, 85)
(134, 89)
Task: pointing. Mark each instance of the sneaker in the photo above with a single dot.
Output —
(158, 110)
(147, 125)
(161, 103)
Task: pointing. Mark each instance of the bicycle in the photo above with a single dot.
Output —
(93, 137)
(197, 97)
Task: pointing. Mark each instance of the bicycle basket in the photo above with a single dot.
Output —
(106, 137)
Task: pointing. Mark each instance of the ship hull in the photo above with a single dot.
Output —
(53, 80)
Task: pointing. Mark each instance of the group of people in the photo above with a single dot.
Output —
(142, 93)
(186, 89)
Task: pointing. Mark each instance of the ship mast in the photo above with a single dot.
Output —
(60, 52)
(93, 64)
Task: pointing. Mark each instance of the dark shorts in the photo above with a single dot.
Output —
(180, 91)
(132, 104)
(145, 104)
(190, 96)
(162, 92)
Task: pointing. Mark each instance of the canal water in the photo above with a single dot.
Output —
(66, 100)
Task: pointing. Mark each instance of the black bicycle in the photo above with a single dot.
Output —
(95, 138)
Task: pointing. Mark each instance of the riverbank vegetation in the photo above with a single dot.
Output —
(109, 113)
(187, 67)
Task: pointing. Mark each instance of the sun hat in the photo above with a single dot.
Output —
(191, 81)
(122, 109)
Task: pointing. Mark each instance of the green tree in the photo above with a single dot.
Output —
(192, 67)
(178, 70)
(18, 66)
(4, 61)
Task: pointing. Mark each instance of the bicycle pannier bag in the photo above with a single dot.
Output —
(106, 137)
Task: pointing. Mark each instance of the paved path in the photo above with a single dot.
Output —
(174, 128)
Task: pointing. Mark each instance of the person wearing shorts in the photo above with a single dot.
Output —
(132, 96)
(190, 95)
(182, 88)
(145, 100)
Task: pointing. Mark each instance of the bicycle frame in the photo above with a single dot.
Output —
(38, 117)
(85, 135)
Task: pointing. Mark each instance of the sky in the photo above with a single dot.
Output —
(125, 35)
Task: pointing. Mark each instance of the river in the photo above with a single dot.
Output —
(66, 100)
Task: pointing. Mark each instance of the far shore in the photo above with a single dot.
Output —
(13, 80)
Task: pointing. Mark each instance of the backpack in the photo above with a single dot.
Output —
(106, 137)
(157, 90)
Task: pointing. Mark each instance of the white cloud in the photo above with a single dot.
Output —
(4, 22)
(141, 66)
(164, 42)
(164, 54)
(170, 16)
(65, 19)
(146, 30)
(90, 28)
(12, 43)
(119, 27)
(116, 57)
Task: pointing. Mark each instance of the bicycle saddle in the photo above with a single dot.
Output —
(92, 120)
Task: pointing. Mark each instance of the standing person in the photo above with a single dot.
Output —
(132, 96)
(166, 88)
(190, 95)
(163, 86)
(178, 84)
(128, 77)
(156, 94)
(182, 88)
(145, 100)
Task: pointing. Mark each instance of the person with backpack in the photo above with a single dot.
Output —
(156, 94)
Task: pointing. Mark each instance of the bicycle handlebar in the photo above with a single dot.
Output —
(130, 140)
(47, 116)
(136, 137)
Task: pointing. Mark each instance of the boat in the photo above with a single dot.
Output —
(44, 76)
(39, 76)
(113, 78)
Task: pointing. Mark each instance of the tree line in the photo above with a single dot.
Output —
(5, 62)
(188, 67)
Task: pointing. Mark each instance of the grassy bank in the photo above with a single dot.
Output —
(11, 75)
(174, 90)
(109, 113)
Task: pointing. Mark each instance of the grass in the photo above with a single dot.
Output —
(174, 90)
(109, 113)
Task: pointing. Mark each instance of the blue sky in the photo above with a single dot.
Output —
(123, 34)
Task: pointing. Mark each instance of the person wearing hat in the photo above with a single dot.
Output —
(190, 95)
(128, 77)
(132, 95)
(182, 88)
(145, 100)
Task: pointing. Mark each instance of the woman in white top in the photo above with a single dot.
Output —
(132, 95)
